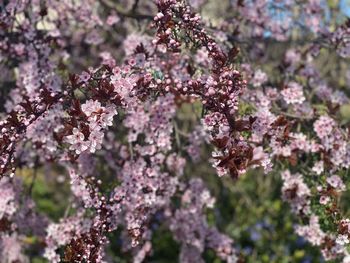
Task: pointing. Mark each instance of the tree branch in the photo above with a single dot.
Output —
(132, 14)
(134, 6)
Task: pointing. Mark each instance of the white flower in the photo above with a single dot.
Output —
(342, 240)
(318, 168)
(346, 259)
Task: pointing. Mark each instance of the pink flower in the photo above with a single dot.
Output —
(106, 118)
(311, 232)
(259, 78)
(293, 94)
(77, 141)
(324, 126)
(84, 76)
(90, 107)
(300, 142)
(95, 139)
(324, 200)
(336, 182)
(112, 19)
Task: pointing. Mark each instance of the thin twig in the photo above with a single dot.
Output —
(30, 190)
(134, 6)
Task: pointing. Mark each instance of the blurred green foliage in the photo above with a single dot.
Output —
(250, 210)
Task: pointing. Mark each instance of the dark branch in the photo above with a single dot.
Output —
(132, 14)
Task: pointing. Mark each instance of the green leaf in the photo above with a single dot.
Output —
(345, 112)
